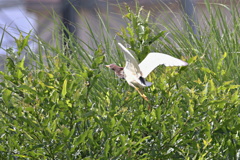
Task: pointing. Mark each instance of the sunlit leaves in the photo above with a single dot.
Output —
(139, 34)
(6, 95)
(64, 88)
(70, 107)
(22, 42)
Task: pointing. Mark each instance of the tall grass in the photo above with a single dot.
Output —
(67, 105)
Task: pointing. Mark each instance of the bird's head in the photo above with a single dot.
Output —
(114, 67)
(118, 70)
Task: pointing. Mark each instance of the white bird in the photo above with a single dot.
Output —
(135, 73)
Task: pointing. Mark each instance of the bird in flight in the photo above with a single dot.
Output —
(135, 73)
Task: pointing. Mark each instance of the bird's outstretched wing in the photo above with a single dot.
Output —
(155, 59)
(131, 62)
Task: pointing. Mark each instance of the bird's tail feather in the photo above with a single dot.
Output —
(148, 83)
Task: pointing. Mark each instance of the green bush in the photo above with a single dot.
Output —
(66, 105)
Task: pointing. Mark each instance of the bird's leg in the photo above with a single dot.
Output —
(140, 91)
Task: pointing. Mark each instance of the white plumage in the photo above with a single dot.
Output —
(155, 59)
(135, 73)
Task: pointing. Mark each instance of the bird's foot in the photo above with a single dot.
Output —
(144, 97)
(141, 93)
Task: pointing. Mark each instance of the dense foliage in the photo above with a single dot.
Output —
(66, 105)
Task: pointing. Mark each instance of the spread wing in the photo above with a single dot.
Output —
(131, 62)
(155, 59)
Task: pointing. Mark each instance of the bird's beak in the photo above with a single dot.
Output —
(108, 66)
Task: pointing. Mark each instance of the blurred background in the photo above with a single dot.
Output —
(23, 16)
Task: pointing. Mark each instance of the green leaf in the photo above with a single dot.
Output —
(156, 37)
(106, 148)
(158, 113)
(21, 63)
(10, 64)
(22, 42)
(6, 96)
(2, 148)
(97, 61)
(207, 70)
(25, 40)
(66, 131)
(80, 139)
(19, 74)
(22, 156)
(64, 88)
(27, 89)
(235, 96)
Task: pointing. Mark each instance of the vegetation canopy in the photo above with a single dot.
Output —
(64, 104)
